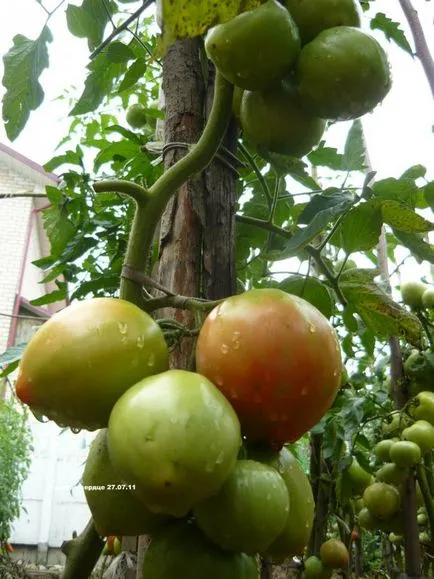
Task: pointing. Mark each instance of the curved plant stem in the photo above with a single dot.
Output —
(151, 203)
(195, 161)
(180, 302)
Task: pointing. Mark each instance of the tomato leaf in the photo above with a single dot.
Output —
(54, 296)
(326, 157)
(421, 250)
(23, 65)
(354, 151)
(403, 189)
(59, 228)
(11, 355)
(361, 227)
(119, 52)
(312, 290)
(303, 236)
(89, 20)
(133, 74)
(98, 83)
(377, 309)
(391, 30)
(400, 217)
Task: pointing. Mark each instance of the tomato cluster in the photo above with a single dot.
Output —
(169, 453)
(295, 66)
(408, 436)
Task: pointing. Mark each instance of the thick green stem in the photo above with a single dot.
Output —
(82, 553)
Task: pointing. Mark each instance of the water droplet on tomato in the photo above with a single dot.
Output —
(312, 329)
(75, 430)
(335, 372)
(236, 345)
(224, 348)
(219, 381)
(151, 360)
(141, 342)
(303, 391)
(220, 458)
(123, 328)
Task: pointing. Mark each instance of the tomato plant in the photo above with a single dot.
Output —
(274, 356)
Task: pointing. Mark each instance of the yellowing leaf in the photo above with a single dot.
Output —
(186, 19)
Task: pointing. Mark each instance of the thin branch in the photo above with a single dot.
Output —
(137, 192)
(121, 28)
(246, 154)
(422, 49)
(180, 302)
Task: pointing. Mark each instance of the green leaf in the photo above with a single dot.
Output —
(380, 313)
(183, 19)
(414, 172)
(354, 152)
(98, 84)
(391, 30)
(54, 296)
(12, 354)
(400, 217)
(326, 157)
(361, 227)
(322, 202)
(59, 228)
(23, 65)
(90, 19)
(119, 52)
(133, 74)
(118, 150)
(108, 283)
(403, 189)
(420, 249)
(350, 320)
(312, 290)
(428, 191)
(67, 158)
(286, 165)
(303, 236)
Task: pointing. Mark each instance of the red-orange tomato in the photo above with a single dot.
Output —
(276, 358)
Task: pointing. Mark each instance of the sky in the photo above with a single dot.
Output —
(399, 132)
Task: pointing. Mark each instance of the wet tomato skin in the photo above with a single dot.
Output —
(276, 358)
(85, 357)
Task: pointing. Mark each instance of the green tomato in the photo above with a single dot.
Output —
(114, 512)
(382, 500)
(342, 74)
(382, 449)
(233, 46)
(357, 478)
(176, 437)
(405, 453)
(136, 116)
(85, 357)
(334, 554)
(391, 473)
(117, 546)
(313, 568)
(422, 434)
(314, 16)
(419, 371)
(396, 539)
(249, 511)
(424, 538)
(368, 521)
(422, 519)
(393, 424)
(182, 552)
(428, 298)
(412, 292)
(424, 407)
(298, 527)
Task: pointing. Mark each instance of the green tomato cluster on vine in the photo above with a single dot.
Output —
(295, 66)
(168, 451)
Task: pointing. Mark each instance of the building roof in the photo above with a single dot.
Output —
(26, 166)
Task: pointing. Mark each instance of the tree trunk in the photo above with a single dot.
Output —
(182, 224)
